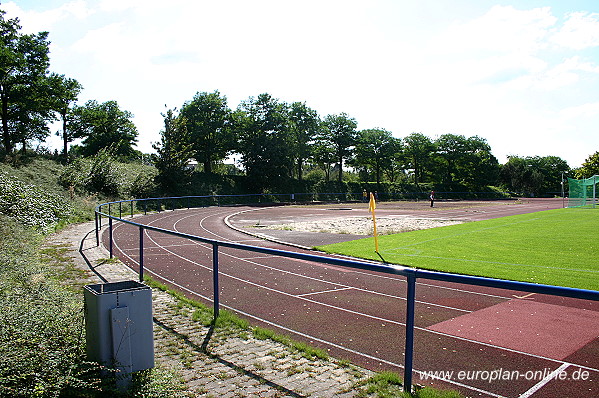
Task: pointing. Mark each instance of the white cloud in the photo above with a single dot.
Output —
(36, 21)
(562, 75)
(122, 5)
(580, 31)
(503, 29)
(581, 111)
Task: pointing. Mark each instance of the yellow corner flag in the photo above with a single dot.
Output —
(371, 208)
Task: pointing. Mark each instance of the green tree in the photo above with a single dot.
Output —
(264, 142)
(104, 125)
(173, 153)
(208, 122)
(467, 161)
(64, 92)
(477, 167)
(552, 168)
(324, 157)
(449, 149)
(396, 165)
(589, 168)
(534, 175)
(304, 126)
(339, 132)
(375, 150)
(24, 66)
(418, 150)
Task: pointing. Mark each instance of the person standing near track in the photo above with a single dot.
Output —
(432, 198)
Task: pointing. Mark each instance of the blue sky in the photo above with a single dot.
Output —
(522, 74)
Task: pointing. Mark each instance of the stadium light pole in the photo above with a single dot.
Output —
(563, 196)
(594, 190)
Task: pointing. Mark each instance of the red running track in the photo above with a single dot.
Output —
(472, 334)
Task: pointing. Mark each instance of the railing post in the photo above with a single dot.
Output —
(145, 207)
(215, 279)
(120, 209)
(110, 235)
(97, 229)
(409, 350)
(109, 209)
(141, 253)
(131, 208)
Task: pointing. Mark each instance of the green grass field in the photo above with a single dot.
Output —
(555, 247)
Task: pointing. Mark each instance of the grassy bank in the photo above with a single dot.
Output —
(42, 339)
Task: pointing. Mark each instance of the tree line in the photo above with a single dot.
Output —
(274, 143)
(278, 142)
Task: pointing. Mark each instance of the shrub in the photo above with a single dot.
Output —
(31, 205)
(103, 174)
(97, 174)
(41, 325)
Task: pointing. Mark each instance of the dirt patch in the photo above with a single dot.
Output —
(364, 225)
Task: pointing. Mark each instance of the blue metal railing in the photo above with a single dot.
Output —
(411, 274)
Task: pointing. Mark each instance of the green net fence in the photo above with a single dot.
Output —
(583, 192)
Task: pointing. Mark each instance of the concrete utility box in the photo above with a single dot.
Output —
(118, 325)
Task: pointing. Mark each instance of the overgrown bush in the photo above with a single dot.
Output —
(97, 174)
(41, 325)
(31, 205)
(103, 174)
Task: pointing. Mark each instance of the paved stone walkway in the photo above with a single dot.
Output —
(214, 363)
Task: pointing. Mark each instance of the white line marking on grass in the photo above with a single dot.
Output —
(492, 262)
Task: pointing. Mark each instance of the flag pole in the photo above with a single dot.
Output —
(371, 208)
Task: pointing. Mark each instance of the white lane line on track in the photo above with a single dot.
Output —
(323, 291)
(309, 277)
(546, 380)
(374, 262)
(256, 257)
(246, 240)
(304, 276)
(362, 272)
(310, 337)
(348, 349)
(356, 312)
(136, 249)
